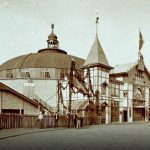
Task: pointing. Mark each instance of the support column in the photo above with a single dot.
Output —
(121, 104)
(108, 114)
(146, 104)
(0, 102)
(130, 103)
(130, 114)
(120, 114)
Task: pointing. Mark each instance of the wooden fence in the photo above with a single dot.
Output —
(31, 121)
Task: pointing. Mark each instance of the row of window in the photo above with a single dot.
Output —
(98, 73)
(63, 74)
(114, 88)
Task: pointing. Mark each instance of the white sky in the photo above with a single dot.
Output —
(25, 25)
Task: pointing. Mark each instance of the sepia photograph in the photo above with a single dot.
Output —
(74, 74)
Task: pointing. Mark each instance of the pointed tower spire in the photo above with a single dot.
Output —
(96, 56)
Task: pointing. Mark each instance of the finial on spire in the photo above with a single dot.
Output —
(97, 21)
(52, 26)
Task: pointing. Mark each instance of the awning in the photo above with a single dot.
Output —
(76, 105)
(82, 105)
(85, 105)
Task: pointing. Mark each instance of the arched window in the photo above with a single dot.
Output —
(138, 94)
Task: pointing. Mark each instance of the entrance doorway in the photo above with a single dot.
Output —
(138, 114)
(125, 116)
(103, 114)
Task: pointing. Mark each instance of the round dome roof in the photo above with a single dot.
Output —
(45, 58)
(52, 36)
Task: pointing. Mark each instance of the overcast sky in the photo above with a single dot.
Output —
(26, 24)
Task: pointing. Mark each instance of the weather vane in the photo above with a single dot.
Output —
(97, 21)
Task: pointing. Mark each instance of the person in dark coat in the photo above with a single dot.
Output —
(75, 120)
(68, 120)
(1, 122)
(56, 118)
(81, 120)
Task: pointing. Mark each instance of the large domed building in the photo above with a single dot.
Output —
(36, 75)
(50, 62)
(116, 94)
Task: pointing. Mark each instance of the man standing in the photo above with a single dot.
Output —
(81, 120)
(1, 122)
(56, 118)
(75, 119)
(40, 117)
(68, 120)
(78, 122)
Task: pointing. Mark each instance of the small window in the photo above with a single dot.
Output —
(47, 75)
(25, 74)
(125, 93)
(62, 74)
(103, 90)
(115, 89)
(9, 74)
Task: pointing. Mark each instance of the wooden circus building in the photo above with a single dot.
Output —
(63, 82)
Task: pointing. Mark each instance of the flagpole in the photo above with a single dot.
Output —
(139, 53)
(140, 43)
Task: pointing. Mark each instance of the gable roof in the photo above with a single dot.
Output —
(4, 87)
(125, 68)
(96, 55)
(122, 68)
(35, 102)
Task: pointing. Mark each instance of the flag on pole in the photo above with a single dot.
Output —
(140, 40)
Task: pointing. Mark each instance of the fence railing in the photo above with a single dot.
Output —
(31, 121)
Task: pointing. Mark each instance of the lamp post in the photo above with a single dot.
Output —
(97, 101)
(58, 86)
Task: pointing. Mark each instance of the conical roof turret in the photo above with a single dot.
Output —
(96, 55)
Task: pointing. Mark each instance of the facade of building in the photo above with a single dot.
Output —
(117, 94)
(36, 75)
(12, 102)
(136, 100)
(124, 92)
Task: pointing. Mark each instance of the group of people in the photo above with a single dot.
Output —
(44, 121)
(52, 121)
(77, 120)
